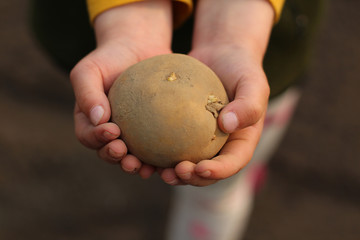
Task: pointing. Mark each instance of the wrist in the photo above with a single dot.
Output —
(139, 22)
(240, 24)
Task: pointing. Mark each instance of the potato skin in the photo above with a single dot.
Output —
(160, 105)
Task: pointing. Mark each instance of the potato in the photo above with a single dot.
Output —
(167, 108)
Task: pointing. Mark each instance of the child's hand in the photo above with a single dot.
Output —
(243, 117)
(232, 44)
(125, 35)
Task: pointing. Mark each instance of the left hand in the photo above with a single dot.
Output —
(233, 46)
(243, 117)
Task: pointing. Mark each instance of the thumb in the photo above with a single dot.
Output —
(248, 106)
(87, 82)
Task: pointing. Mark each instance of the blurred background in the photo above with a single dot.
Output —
(53, 188)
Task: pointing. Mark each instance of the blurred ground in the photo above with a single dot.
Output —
(53, 188)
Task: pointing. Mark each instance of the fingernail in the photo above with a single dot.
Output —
(130, 171)
(230, 122)
(96, 114)
(133, 171)
(185, 176)
(173, 182)
(205, 174)
(109, 135)
(115, 155)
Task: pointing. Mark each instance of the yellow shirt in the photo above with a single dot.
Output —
(182, 8)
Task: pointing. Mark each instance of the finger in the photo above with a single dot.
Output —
(234, 156)
(88, 84)
(159, 170)
(92, 136)
(249, 104)
(169, 176)
(113, 152)
(130, 164)
(186, 172)
(146, 171)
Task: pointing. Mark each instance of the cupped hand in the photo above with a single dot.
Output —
(125, 35)
(91, 79)
(233, 45)
(248, 90)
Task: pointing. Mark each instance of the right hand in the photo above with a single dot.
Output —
(125, 35)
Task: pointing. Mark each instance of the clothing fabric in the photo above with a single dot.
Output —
(278, 6)
(182, 8)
